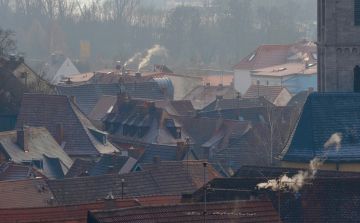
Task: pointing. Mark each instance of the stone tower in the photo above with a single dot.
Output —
(338, 45)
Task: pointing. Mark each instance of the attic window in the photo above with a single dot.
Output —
(314, 55)
(261, 117)
(252, 57)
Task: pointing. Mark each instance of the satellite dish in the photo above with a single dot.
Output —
(118, 67)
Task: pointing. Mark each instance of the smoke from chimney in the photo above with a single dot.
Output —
(136, 56)
(156, 50)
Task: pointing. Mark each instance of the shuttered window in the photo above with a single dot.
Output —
(357, 12)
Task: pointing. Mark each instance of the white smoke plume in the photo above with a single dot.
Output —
(136, 56)
(156, 50)
(296, 182)
(335, 140)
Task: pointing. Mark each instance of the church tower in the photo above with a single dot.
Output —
(338, 45)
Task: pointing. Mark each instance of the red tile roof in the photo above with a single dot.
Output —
(13, 171)
(271, 93)
(272, 55)
(239, 211)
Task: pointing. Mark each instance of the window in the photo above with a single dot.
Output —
(357, 12)
(252, 57)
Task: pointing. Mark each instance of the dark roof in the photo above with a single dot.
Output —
(166, 152)
(80, 136)
(13, 171)
(44, 152)
(145, 90)
(299, 99)
(102, 107)
(193, 170)
(201, 130)
(270, 93)
(240, 211)
(182, 107)
(124, 164)
(318, 200)
(7, 122)
(25, 193)
(221, 104)
(163, 68)
(79, 167)
(87, 95)
(328, 127)
(274, 172)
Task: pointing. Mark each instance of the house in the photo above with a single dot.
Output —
(202, 96)
(26, 193)
(294, 76)
(239, 211)
(327, 129)
(278, 95)
(146, 124)
(211, 135)
(109, 163)
(37, 148)
(78, 212)
(58, 67)
(300, 98)
(14, 171)
(272, 55)
(73, 131)
(157, 152)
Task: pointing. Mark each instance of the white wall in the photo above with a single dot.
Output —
(66, 69)
(242, 80)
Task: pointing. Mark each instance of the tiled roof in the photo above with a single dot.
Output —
(124, 164)
(271, 55)
(146, 90)
(182, 107)
(25, 193)
(13, 171)
(166, 152)
(323, 115)
(201, 130)
(102, 107)
(197, 95)
(221, 104)
(299, 99)
(79, 138)
(271, 93)
(240, 211)
(182, 170)
(87, 95)
(79, 167)
(43, 151)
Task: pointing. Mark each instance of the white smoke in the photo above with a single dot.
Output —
(156, 50)
(335, 140)
(296, 182)
(136, 56)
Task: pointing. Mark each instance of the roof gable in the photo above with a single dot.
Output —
(271, 93)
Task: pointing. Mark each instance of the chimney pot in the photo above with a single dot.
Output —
(59, 134)
(109, 202)
(12, 57)
(157, 159)
(23, 139)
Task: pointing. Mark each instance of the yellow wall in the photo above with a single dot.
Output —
(325, 166)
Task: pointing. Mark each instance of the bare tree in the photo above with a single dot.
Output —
(7, 42)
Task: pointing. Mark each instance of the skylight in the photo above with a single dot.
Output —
(110, 109)
(252, 57)
(314, 55)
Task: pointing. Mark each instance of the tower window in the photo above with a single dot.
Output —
(357, 12)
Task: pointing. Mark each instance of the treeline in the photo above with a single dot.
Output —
(217, 35)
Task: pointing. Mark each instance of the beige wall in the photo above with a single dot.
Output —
(325, 166)
(183, 85)
(283, 98)
(242, 80)
(33, 82)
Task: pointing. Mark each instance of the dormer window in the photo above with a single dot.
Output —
(133, 130)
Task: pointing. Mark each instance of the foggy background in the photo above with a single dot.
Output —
(212, 34)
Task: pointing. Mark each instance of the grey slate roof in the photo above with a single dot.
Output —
(221, 104)
(323, 115)
(299, 99)
(79, 167)
(87, 95)
(123, 164)
(145, 90)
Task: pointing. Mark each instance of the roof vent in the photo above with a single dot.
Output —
(282, 69)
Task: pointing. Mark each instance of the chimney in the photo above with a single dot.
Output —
(121, 100)
(53, 58)
(151, 104)
(207, 85)
(121, 81)
(311, 89)
(191, 113)
(73, 99)
(180, 148)
(187, 198)
(137, 74)
(157, 159)
(219, 121)
(23, 139)
(109, 202)
(134, 153)
(219, 97)
(304, 40)
(12, 57)
(220, 86)
(59, 134)
(21, 59)
(306, 65)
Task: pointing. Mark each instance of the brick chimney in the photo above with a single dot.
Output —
(151, 104)
(23, 139)
(180, 150)
(219, 121)
(109, 202)
(134, 153)
(59, 134)
(157, 160)
(187, 198)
